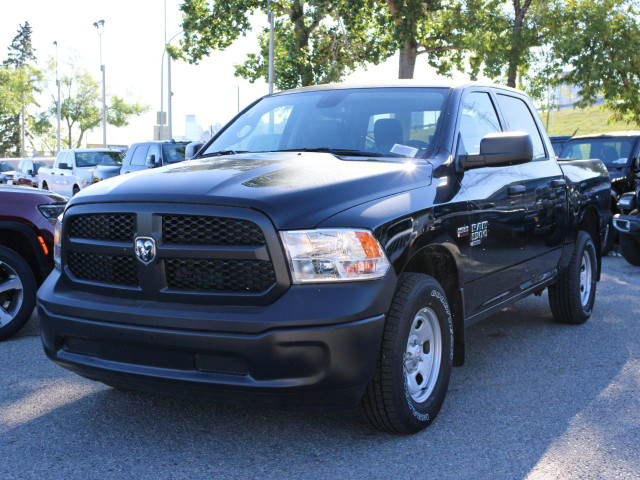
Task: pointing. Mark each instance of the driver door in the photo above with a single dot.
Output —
(497, 202)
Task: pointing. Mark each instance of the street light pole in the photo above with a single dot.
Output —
(100, 28)
(271, 26)
(58, 104)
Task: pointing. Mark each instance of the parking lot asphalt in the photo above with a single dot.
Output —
(534, 400)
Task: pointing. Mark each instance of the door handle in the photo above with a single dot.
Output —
(558, 182)
(514, 190)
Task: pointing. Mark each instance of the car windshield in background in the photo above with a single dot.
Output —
(37, 165)
(5, 167)
(613, 152)
(173, 153)
(395, 122)
(93, 159)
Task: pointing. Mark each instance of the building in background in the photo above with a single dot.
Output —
(193, 130)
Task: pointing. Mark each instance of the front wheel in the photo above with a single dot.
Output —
(17, 292)
(573, 295)
(414, 366)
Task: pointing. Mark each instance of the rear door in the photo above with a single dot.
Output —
(497, 211)
(138, 158)
(546, 197)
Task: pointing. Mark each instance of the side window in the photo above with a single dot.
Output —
(519, 117)
(154, 149)
(140, 155)
(478, 118)
(70, 159)
(61, 158)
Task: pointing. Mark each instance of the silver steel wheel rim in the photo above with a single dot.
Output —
(11, 294)
(423, 355)
(585, 278)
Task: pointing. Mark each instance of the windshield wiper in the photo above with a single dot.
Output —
(222, 153)
(336, 151)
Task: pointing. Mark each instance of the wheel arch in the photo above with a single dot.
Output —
(439, 262)
(21, 239)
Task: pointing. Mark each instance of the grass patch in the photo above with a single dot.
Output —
(582, 121)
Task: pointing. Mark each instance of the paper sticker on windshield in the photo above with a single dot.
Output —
(621, 160)
(405, 150)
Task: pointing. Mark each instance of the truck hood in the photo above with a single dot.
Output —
(296, 190)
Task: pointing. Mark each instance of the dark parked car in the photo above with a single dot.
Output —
(617, 150)
(6, 173)
(330, 244)
(27, 219)
(142, 156)
(627, 222)
(27, 172)
(558, 142)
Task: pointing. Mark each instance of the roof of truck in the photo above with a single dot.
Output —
(627, 133)
(395, 84)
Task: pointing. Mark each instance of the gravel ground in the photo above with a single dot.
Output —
(534, 400)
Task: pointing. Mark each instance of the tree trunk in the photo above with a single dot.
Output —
(512, 72)
(408, 55)
(80, 139)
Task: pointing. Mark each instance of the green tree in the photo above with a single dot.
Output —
(9, 112)
(81, 109)
(26, 81)
(601, 46)
(314, 43)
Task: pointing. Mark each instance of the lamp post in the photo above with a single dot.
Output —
(100, 28)
(169, 92)
(58, 104)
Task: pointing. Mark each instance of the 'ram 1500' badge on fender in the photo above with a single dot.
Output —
(478, 232)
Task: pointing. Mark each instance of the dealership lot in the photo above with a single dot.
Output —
(534, 400)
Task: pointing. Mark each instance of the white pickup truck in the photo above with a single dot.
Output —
(73, 169)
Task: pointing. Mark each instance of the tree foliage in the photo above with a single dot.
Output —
(314, 44)
(81, 109)
(20, 81)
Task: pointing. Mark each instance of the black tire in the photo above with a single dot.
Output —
(75, 190)
(387, 404)
(45, 186)
(630, 249)
(29, 289)
(565, 295)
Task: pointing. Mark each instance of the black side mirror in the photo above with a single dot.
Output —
(29, 172)
(635, 164)
(152, 161)
(192, 149)
(499, 149)
(64, 166)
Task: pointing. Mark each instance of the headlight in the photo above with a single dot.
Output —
(57, 243)
(51, 211)
(329, 255)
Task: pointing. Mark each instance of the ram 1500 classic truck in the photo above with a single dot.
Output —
(73, 169)
(329, 244)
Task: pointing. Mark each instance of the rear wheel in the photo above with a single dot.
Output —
(572, 297)
(414, 366)
(76, 189)
(17, 292)
(45, 186)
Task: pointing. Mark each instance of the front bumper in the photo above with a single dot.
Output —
(315, 344)
(627, 223)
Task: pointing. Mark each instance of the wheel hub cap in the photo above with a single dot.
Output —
(585, 278)
(422, 357)
(11, 294)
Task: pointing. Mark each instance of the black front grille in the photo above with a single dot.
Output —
(114, 227)
(116, 269)
(252, 276)
(205, 230)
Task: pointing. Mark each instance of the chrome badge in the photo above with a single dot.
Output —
(145, 249)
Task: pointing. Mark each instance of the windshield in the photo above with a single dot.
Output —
(380, 121)
(5, 167)
(173, 153)
(614, 152)
(92, 159)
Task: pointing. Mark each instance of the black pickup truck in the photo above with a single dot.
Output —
(328, 245)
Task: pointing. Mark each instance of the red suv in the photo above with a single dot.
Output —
(27, 219)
